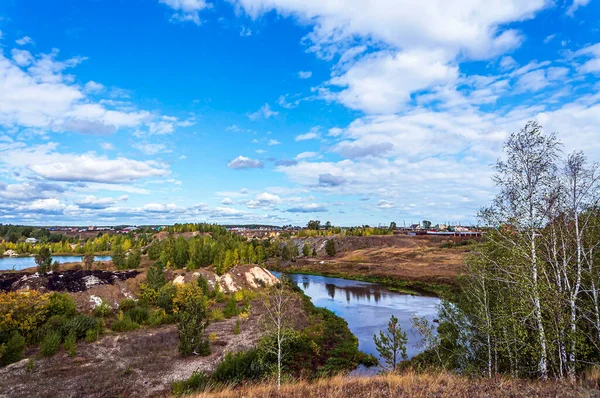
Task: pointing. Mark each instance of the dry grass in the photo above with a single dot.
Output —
(414, 385)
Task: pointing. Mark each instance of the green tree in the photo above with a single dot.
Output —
(155, 277)
(426, 224)
(330, 248)
(314, 225)
(88, 261)
(43, 260)
(134, 259)
(393, 225)
(193, 322)
(118, 257)
(314, 252)
(391, 344)
(306, 250)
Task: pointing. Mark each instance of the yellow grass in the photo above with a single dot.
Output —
(416, 385)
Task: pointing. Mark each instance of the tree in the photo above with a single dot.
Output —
(276, 321)
(314, 252)
(155, 277)
(330, 247)
(193, 322)
(118, 257)
(88, 261)
(393, 225)
(134, 259)
(328, 225)
(391, 344)
(314, 225)
(426, 224)
(306, 250)
(43, 260)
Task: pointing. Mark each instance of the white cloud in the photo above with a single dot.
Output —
(21, 57)
(93, 87)
(273, 142)
(150, 149)
(313, 134)
(308, 208)
(385, 204)
(576, 4)
(24, 40)
(263, 200)
(93, 202)
(242, 162)
(245, 31)
(107, 146)
(226, 201)
(304, 74)
(592, 52)
(306, 155)
(186, 10)
(264, 112)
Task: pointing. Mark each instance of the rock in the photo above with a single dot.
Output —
(179, 280)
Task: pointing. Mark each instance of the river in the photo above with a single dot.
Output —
(367, 307)
(18, 263)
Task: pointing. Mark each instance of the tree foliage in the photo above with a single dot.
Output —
(391, 344)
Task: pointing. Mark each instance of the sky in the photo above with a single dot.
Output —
(280, 111)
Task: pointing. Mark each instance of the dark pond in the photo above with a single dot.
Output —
(367, 307)
(18, 263)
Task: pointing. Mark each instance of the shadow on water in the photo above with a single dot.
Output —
(367, 307)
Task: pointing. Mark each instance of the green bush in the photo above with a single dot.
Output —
(51, 343)
(192, 323)
(235, 368)
(165, 297)
(62, 304)
(70, 344)
(231, 308)
(216, 315)
(30, 365)
(80, 325)
(203, 283)
(92, 335)
(125, 325)
(103, 310)
(197, 382)
(237, 329)
(155, 277)
(138, 314)
(160, 317)
(127, 304)
(54, 323)
(13, 349)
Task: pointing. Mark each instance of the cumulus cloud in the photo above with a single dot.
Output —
(263, 200)
(242, 162)
(273, 142)
(98, 169)
(311, 135)
(330, 180)
(186, 10)
(264, 112)
(308, 208)
(226, 201)
(385, 204)
(304, 74)
(24, 41)
(92, 202)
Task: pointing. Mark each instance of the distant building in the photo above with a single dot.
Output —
(31, 240)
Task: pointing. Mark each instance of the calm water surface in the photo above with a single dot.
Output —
(367, 307)
(17, 263)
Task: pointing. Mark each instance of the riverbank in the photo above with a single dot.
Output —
(415, 385)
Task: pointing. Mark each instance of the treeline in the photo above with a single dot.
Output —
(528, 304)
(100, 244)
(222, 251)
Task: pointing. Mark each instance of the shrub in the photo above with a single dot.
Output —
(192, 323)
(127, 304)
(70, 344)
(13, 349)
(197, 382)
(165, 297)
(30, 366)
(51, 343)
(231, 308)
(147, 294)
(22, 311)
(55, 266)
(124, 324)
(187, 294)
(240, 366)
(92, 335)
(237, 329)
(80, 325)
(138, 314)
(62, 304)
(54, 323)
(134, 259)
(203, 283)
(155, 277)
(216, 315)
(212, 337)
(160, 317)
(330, 247)
(43, 260)
(103, 310)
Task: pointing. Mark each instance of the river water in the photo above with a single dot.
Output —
(367, 307)
(18, 263)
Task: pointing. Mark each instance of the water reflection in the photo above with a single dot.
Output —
(367, 307)
(18, 263)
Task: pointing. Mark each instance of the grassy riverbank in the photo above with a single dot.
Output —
(414, 385)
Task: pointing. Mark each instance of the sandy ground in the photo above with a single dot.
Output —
(141, 363)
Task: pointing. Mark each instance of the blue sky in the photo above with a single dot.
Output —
(281, 111)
